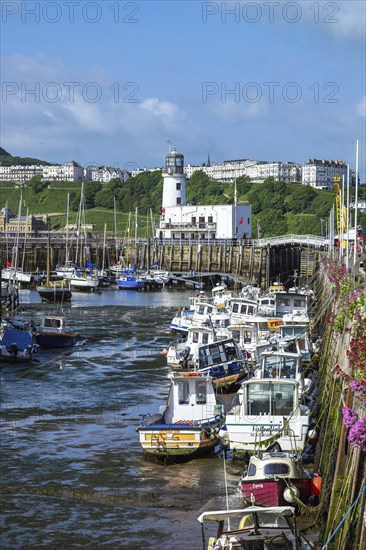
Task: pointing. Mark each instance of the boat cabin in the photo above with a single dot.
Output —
(276, 464)
(242, 308)
(53, 324)
(191, 398)
(280, 364)
(289, 302)
(218, 353)
(267, 305)
(268, 407)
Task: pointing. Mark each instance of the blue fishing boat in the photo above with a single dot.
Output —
(16, 341)
(130, 280)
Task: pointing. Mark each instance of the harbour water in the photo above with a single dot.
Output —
(73, 471)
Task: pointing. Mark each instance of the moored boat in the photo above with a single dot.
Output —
(16, 341)
(129, 280)
(189, 424)
(277, 478)
(53, 333)
(254, 528)
(268, 410)
(55, 291)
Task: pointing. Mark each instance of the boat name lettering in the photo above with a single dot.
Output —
(266, 429)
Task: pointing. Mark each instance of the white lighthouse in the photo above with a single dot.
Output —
(174, 189)
(180, 222)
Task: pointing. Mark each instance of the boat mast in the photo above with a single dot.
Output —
(25, 241)
(67, 229)
(104, 239)
(48, 253)
(115, 227)
(15, 263)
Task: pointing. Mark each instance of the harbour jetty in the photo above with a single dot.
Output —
(257, 261)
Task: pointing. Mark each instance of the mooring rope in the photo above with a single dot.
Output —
(345, 516)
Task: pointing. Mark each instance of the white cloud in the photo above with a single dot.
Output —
(230, 112)
(162, 108)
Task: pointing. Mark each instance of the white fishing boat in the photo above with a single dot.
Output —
(267, 410)
(189, 424)
(252, 339)
(83, 281)
(199, 312)
(254, 528)
(16, 275)
(282, 364)
(184, 353)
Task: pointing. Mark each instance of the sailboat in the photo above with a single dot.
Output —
(12, 273)
(81, 279)
(53, 291)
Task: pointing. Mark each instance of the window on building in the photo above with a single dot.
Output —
(179, 200)
(179, 186)
(194, 220)
(210, 219)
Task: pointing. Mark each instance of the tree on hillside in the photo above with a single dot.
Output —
(201, 189)
(36, 184)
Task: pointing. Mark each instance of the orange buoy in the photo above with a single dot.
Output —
(164, 351)
(316, 485)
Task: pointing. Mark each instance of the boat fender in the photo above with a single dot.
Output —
(316, 485)
(291, 493)
(312, 436)
(164, 351)
(224, 436)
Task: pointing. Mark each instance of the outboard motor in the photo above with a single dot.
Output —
(13, 351)
(183, 357)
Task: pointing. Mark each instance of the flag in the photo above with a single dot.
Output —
(163, 210)
(241, 220)
(7, 263)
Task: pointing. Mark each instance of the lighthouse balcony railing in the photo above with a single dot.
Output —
(188, 225)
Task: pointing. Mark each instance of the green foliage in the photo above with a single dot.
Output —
(201, 189)
(280, 208)
(36, 184)
(6, 159)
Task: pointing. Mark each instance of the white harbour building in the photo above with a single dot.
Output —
(182, 221)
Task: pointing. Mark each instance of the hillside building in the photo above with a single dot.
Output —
(180, 220)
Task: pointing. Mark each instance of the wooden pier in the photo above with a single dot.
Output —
(258, 262)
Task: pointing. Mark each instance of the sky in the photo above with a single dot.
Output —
(115, 82)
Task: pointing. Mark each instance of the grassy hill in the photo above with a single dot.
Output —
(6, 159)
(53, 201)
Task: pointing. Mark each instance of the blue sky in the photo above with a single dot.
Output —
(110, 82)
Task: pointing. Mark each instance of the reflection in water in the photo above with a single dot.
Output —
(73, 472)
